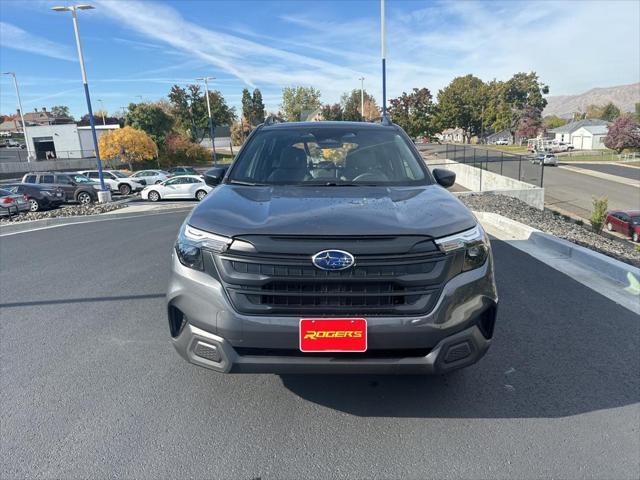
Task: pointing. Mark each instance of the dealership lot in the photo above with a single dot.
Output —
(91, 386)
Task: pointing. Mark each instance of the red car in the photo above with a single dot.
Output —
(626, 222)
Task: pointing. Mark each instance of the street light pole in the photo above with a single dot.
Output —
(104, 122)
(24, 126)
(211, 127)
(105, 194)
(362, 96)
(383, 54)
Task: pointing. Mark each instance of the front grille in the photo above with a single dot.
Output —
(289, 284)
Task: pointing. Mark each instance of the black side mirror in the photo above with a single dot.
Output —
(444, 177)
(214, 176)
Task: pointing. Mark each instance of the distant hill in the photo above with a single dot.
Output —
(623, 96)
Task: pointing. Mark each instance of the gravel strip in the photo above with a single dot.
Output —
(65, 211)
(554, 224)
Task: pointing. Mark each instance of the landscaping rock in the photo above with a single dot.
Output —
(65, 211)
(554, 224)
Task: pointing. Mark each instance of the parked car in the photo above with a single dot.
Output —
(183, 171)
(12, 203)
(182, 186)
(293, 257)
(502, 141)
(626, 222)
(151, 177)
(40, 197)
(548, 159)
(567, 146)
(116, 180)
(76, 187)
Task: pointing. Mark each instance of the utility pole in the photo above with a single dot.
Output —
(104, 122)
(211, 126)
(383, 54)
(362, 97)
(105, 194)
(24, 125)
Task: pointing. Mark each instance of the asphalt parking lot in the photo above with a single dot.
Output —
(92, 388)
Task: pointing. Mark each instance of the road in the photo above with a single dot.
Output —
(568, 190)
(620, 170)
(92, 388)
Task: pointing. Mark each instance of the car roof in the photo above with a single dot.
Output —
(631, 213)
(186, 176)
(344, 125)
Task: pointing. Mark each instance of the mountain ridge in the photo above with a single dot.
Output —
(623, 96)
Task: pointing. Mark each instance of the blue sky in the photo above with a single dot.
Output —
(138, 49)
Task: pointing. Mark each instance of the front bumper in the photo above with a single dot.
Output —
(208, 332)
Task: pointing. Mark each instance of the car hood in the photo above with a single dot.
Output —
(233, 210)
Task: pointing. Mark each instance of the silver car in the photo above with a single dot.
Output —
(12, 204)
(330, 247)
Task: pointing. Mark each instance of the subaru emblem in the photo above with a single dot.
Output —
(333, 260)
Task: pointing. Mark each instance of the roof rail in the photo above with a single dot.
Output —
(386, 120)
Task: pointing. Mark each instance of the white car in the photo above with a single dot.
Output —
(182, 186)
(151, 176)
(502, 141)
(116, 181)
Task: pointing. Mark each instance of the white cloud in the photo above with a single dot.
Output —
(18, 39)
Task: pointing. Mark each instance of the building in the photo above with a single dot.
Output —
(590, 137)
(452, 135)
(565, 133)
(43, 117)
(64, 140)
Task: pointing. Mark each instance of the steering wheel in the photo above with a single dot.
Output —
(377, 176)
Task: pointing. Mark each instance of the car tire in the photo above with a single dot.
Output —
(34, 206)
(200, 194)
(153, 196)
(609, 227)
(124, 189)
(84, 198)
(635, 237)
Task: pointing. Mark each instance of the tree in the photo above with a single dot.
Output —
(127, 145)
(623, 134)
(637, 112)
(180, 150)
(530, 124)
(352, 105)
(60, 111)
(190, 110)
(610, 112)
(247, 105)
(332, 112)
(296, 100)
(239, 132)
(97, 119)
(258, 107)
(414, 112)
(518, 98)
(461, 103)
(553, 121)
(150, 118)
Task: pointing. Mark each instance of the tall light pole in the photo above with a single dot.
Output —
(24, 125)
(211, 127)
(362, 96)
(383, 54)
(104, 122)
(105, 194)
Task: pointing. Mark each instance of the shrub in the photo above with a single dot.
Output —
(599, 213)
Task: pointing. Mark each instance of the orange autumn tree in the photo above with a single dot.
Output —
(127, 145)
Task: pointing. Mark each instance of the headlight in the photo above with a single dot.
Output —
(191, 241)
(474, 242)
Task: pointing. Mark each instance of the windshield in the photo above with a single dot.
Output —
(635, 220)
(81, 179)
(329, 156)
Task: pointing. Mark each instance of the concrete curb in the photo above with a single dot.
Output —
(123, 213)
(597, 262)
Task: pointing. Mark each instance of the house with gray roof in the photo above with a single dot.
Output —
(565, 133)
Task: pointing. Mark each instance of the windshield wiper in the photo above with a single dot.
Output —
(337, 184)
(250, 184)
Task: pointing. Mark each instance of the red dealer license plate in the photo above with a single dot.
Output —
(333, 335)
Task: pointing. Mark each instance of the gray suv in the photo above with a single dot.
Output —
(75, 186)
(329, 247)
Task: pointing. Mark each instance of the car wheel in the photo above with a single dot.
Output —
(34, 206)
(124, 189)
(609, 226)
(84, 198)
(153, 196)
(200, 194)
(635, 237)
